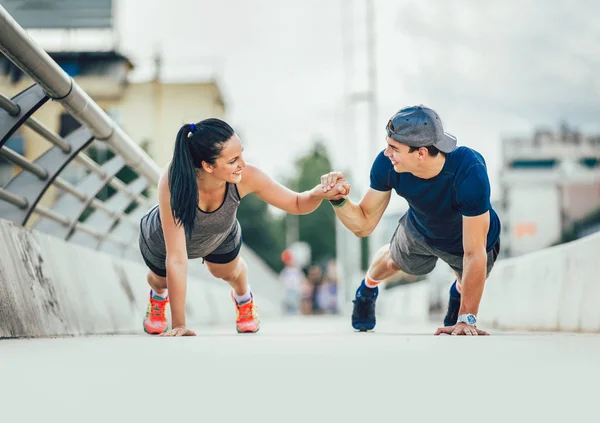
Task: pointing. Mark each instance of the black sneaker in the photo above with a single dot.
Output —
(453, 309)
(363, 314)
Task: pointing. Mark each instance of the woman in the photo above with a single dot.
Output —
(198, 197)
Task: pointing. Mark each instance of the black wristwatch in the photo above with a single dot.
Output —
(338, 203)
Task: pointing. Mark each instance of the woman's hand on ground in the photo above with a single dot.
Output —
(179, 331)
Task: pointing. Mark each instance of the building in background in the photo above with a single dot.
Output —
(551, 189)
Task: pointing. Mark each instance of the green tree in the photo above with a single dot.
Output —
(317, 228)
(261, 231)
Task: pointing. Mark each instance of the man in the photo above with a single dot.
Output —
(449, 217)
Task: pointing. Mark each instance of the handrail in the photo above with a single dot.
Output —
(25, 53)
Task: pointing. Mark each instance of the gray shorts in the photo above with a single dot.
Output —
(411, 253)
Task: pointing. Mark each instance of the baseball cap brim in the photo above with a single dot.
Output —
(447, 143)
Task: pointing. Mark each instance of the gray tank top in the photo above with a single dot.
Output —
(210, 229)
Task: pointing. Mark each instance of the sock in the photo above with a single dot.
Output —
(241, 299)
(370, 282)
(365, 291)
(455, 290)
(163, 294)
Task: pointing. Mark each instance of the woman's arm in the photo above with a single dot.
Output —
(270, 191)
(177, 261)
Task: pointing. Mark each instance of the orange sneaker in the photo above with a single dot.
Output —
(155, 321)
(247, 320)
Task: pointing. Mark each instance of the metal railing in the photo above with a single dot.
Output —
(110, 225)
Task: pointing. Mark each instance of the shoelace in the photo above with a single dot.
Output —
(364, 308)
(247, 311)
(158, 309)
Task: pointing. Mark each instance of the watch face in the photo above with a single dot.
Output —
(471, 319)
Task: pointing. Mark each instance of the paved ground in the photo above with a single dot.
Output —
(302, 370)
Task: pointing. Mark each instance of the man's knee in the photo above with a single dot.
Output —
(392, 265)
(384, 257)
(383, 252)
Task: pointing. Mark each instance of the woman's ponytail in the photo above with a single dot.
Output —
(183, 183)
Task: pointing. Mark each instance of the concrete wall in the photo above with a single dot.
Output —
(51, 287)
(556, 288)
(406, 304)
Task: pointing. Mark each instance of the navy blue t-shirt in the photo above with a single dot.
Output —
(437, 205)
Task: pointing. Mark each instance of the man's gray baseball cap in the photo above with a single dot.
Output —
(419, 126)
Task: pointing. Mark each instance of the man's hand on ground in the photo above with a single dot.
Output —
(461, 329)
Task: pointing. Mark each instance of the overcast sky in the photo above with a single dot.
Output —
(487, 70)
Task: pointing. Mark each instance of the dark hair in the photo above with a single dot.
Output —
(195, 143)
(433, 151)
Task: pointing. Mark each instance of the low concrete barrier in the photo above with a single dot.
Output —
(407, 303)
(50, 287)
(555, 289)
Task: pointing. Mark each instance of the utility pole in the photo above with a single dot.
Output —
(372, 76)
(374, 139)
(360, 126)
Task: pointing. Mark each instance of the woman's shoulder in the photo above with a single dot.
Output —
(250, 176)
(163, 179)
(251, 170)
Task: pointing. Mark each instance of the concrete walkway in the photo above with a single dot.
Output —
(303, 370)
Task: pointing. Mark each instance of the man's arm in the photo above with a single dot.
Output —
(475, 231)
(362, 218)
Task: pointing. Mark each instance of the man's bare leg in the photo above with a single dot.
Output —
(382, 267)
